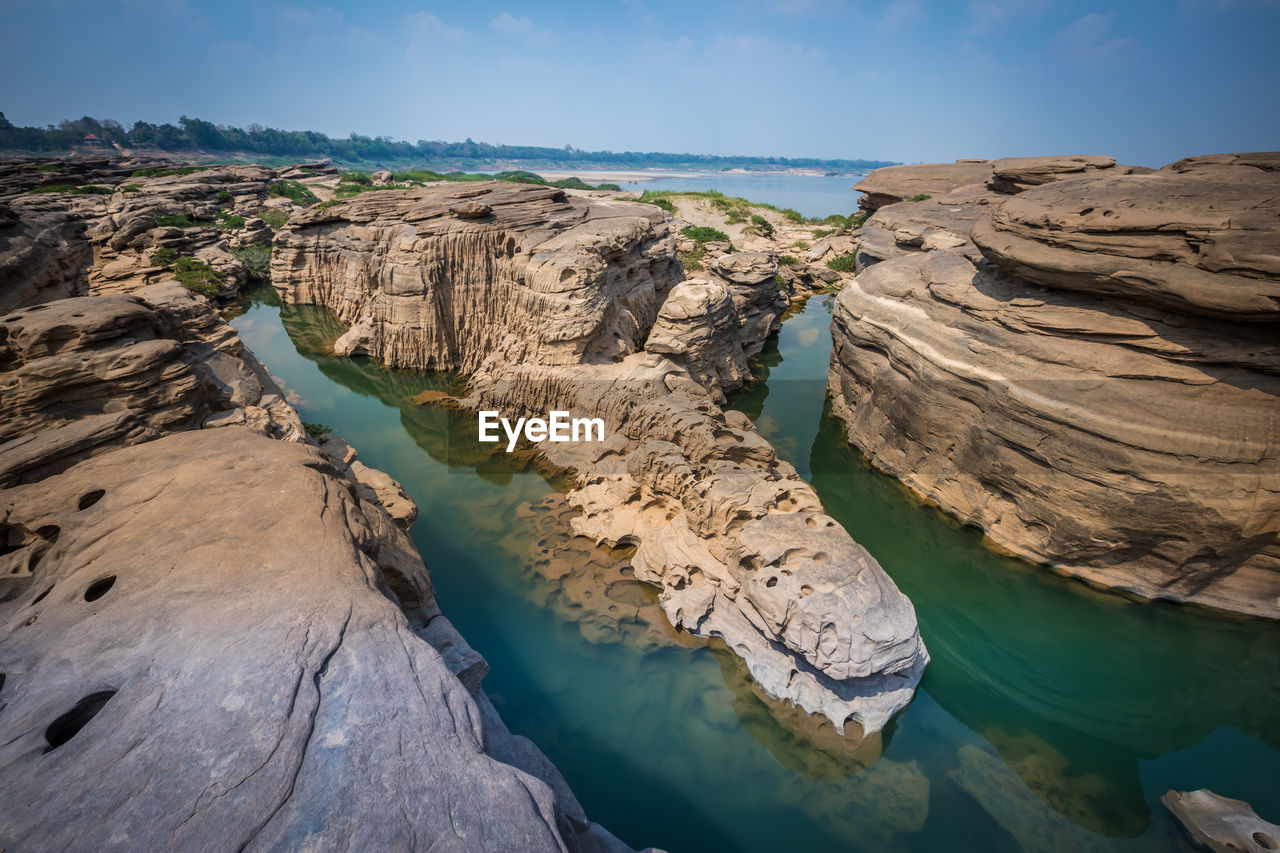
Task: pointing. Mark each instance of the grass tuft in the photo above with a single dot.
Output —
(705, 234)
(844, 263)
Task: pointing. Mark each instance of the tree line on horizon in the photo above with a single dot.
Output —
(198, 136)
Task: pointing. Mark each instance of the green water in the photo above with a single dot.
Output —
(1051, 718)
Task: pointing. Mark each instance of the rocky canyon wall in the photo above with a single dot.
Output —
(1082, 359)
(215, 635)
(552, 301)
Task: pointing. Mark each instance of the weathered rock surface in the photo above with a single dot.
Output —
(577, 279)
(82, 375)
(129, 232)
(1239, 166)
(898, 230)
(107, 241)
(1221, 824)
(42, 258)
(1015, 174)
(1078, 420)
(555, 302)
(280, 696)
(899, 183)
(210, 639)
(1196, 243)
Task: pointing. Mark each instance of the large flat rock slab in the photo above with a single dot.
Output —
(1197, 242)
(893, 184)
(200, 657)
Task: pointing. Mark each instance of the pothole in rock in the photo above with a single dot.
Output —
(39, 598)
(69, 724)
(90, 498)
(99, 588)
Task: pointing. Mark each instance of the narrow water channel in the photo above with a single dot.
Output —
(1051, 718)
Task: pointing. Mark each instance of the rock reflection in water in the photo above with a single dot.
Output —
(594, 588)
(1048, 710)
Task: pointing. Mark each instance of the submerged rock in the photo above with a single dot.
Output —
(561, 302)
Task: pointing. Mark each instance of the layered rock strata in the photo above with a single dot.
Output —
(42, 258)
(554, 302)
(212, 633)
(1058, 376)
(100, 228)
(899, 183)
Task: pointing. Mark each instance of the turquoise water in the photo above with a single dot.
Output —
(1051, 718)
(812, 195)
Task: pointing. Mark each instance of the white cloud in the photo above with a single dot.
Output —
(1086, 41)
(423, 25)
(984, 14)
(506, 23)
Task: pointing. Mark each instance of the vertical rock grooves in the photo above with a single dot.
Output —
(213, 634)
(548, 301)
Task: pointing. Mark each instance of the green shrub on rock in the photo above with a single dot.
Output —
(843, 263)
(705, 234)
(163, 257)
(256, 260)
(294, 191)
(199, 277)
(275, 217)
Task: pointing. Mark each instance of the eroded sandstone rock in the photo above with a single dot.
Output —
(1015, 174)
(1199, 243)
(1222, 824)
(557, 302)
(1066, 391)
(280, 696)
(237, 616)
(81, 375)
(42, 258)
(893, 184)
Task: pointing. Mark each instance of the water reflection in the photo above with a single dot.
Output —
(1072, 688)
(1052, 717)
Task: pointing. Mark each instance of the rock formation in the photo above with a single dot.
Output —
(550, 301)
(111, 227)
(212, 633)
(1198, 244)
(1221, 824)
(41, 258)
(899, 183)
(1057, 374)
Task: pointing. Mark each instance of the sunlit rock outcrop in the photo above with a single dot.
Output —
(1091, 374)
(555, 302)
(192, 592)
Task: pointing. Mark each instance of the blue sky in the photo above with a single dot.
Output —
(906, 80)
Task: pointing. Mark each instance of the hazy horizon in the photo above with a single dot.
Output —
(903, 80)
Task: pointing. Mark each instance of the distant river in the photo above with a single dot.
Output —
(811, 195)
